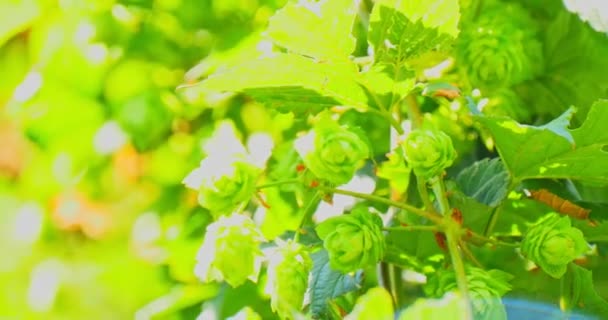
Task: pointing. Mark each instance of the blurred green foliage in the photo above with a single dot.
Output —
(95, 143)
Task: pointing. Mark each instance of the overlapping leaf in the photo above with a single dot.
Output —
(554, 151)
(292, 82)
(316, 29)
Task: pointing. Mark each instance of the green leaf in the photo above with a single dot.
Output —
(388, 83)
(292, 82)
(545, 152)
(475, 214)
(487, 181)
(575, 57)
(401, 30)
(578, 292)
(16, 16)
(319, 29)
(327, 284)
(395, 171)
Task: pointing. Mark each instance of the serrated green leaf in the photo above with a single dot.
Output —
(401, 30)
(578, 292)
(487, 181)
(292, 82)
(388, 82)
(475, 215)
(327, 284)
(575, 57)
(544, 152)
(316, 29)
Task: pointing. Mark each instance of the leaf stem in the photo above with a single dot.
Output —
(424, 194)
(459, 270)
(277, 183)
(425, 214)
(414, 112)
(413, 228)
(307, 214)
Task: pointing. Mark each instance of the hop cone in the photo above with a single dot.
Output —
(485, 288)
(331, 152)
(429, 152)
(552, 243)
(288, 270)
(500, 48)
(353, 241)
(376, 303)
(223, 183)
(230, 251)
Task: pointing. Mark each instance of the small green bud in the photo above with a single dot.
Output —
(246, 314)
(552, 243)
(450, 307)
(485, 289)
(500, 48)
(331, 152)
(429, 152)
(353, 241)
(376, 303)
(223, 184)
(288, 272)
(230, 251)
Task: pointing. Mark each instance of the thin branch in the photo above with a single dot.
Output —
(425, 214)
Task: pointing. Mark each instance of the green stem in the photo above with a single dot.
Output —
(459, 270)
(277, 183)
(492, 222)
(428, 215)
(452, 233)
(475, 237)
(414, 112)
(414, 228)
(307, 214)
(439, 190)
(424, 194)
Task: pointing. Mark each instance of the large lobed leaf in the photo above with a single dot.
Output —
(553, 151)
(327, 284)
(401, 30)
(316, 29)
(487, 181)
(292, 82)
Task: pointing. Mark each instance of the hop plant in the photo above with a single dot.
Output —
(450, 306)
(331, 152)
(486, 289)
(506, 102)
(288, 272)
(376, 303)
(230, 251)
(552, 243)
(222, 183)
(429, 152)
(500, 48)
(354, 240)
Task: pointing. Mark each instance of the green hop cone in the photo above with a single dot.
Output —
(500, 48)
(353, 241)
(288, 272)
(230, 251)
(429, 152)
(552, 243)
(449, 307)
(223, 184)
(331, 152)
(485, 289)
(376, 303)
